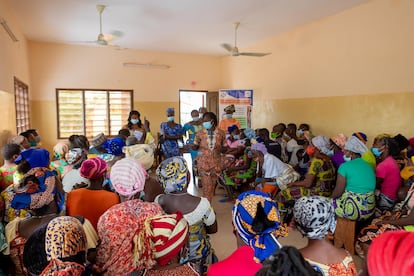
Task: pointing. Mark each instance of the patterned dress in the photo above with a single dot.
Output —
(170, 147)
(346, 267)
(6, 177)
(242, 176)
(192, 132)
(209, 163)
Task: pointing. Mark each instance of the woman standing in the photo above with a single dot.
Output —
(192, 127)
(135, 126)
(172, 133)
(211, 143)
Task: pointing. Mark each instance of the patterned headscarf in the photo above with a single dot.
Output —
(35, 157)
(321, 142)
(125, 243)
(232, 128)
(361, 136)
(168, 234)
(355, 145)
(169, 110)
(128, 177)
(60, 150)
(93, 168)
(143, 153)
(314, 216)
(32, 195)
(244, 212)
(114, 146)
(259, 147)
(339, 140)
(391, 254)
(230, 108)
(172, 174)
(250, 133)
(74, 156)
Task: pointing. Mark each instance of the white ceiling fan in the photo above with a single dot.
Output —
(234, 51)
(104, 39)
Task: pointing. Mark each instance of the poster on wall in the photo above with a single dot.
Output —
(242, 100)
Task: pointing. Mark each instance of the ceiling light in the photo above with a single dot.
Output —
(146, 65)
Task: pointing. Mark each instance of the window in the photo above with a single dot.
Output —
(21, 99)
(90, 112)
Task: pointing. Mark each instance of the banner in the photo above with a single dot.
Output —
(242, 100)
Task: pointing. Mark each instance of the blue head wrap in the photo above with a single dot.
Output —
(172, 174)
(35, 157)
(169, 110)
(244, 212)
(250, 133)
(114, 146)
(232, 128)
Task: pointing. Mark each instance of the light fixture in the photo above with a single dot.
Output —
(8, 30)
(146, 65)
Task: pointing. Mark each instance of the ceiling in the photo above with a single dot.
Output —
(183, 26)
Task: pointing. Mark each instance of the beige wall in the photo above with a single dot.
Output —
(366, 50)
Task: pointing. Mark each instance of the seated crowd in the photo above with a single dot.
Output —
(98, 207)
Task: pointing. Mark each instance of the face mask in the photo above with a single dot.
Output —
(237, 137)
(330, 152)
(134, 121)
(249, 154)
(207, 125)
(346, 158)
(300, 132)
(376, 152)
(274, 135)
(195, 119)
(200, 115)
(170, 118)
(37, 139)
(310, 150)
(33, 144)
(286, 136)
(228, 116)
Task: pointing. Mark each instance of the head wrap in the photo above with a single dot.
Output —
(230, 108)
(125, 243)
(391, 254)
(250, 133)
(32, 195)
(361, 136)
(232, 128)
(407, 172)
(259, 147)
(60, 150)
(402, 141)
(172, 174)
(314, 216)
(321, 142)
(35, 157)
(131, 140)
(143, 153)
(411, 141)
(339, 140)
(74, 156)
(245, 211)
(355, 145)
(128, 177)
(114, 146)
(168, 234)
(98, 140)
(169, 110)
(93, 168)
(18, 139)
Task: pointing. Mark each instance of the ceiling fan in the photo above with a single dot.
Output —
(104, 39)
(234, 51)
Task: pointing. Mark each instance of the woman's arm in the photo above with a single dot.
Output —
(307, 182)
(212, 228)
(408, 220)
(339, 187)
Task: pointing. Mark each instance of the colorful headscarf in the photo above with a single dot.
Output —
(407, 172)
(35, 157)
(32, 195)
(114, 146)
(230, 108)
(391, 254)
(355, 145)
(98, 140)
(128, 177)
(168, 234)
(361, 136)
(259, 147)
(244, 212)
(321, 142)
(172, 174)
(59, 268)
(93, 168)
(125, 243)
(314, 216)
(60, 150)
(74, 156)
(232, 128)
(143, 153)
(339, 140)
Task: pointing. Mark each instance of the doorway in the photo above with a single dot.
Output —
(194, 99)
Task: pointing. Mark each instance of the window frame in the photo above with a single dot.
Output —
(21, 87)
(83, 90)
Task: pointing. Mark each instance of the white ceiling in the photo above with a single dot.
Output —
(186, 26)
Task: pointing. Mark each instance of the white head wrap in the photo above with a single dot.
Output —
(355, 145)
(321, 142)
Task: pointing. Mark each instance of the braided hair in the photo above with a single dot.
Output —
(286, 261)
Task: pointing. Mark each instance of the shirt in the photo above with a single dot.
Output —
(272, 166)
(359, 175)
(390, 172)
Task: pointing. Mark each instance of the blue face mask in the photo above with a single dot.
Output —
(376, 152)
(228, 116)
(227, 136)
(170, 118)
(200, 115)
(195, 119)
(300, 132)
(236, 137)
(330, 152)
(134, 121)
(207, 125)
(346, 158)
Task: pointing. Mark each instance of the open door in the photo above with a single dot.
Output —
(212, 102)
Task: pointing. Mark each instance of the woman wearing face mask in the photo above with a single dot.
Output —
(211, 143)
(172, 133)
(135, 126)
(387, 171)
(353, 196)
(228, 119)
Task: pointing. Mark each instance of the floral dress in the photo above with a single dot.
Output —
(170, 146)
(242, 176)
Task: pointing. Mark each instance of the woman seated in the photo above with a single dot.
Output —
(173, 175)
(353, 196)
(59, 161)
(319, 178)
(314, 217)
(242, 171)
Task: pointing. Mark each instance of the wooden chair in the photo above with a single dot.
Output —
(345, 233)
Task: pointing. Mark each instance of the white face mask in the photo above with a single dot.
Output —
(170, 118)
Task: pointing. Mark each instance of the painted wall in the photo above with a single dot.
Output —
(359, 61)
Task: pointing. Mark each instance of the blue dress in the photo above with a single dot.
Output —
(170, 146)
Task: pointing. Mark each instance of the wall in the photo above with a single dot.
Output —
(68, 66)
(323, 66)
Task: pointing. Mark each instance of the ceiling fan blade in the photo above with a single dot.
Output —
(226, 46)
(254, 54)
